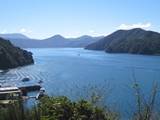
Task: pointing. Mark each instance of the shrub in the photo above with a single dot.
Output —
(146, 107)
(61, 108)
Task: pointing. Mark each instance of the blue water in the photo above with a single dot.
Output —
(73, 72)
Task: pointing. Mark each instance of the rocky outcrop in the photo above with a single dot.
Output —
(11, 56)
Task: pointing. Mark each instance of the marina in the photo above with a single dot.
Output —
(10, 94)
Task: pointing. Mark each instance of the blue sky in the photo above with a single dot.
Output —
(72, 18)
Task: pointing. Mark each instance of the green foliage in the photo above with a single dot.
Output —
(61, 108)
(145, 108)
(135, 41)
(11, 56)
(16, 111)
(12, 111)
(57, 108)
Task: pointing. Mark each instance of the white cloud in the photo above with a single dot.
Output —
(138, 25)
(24, 30)
(91, 31)
(4, 31)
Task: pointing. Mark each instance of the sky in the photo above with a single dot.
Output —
(72, 18)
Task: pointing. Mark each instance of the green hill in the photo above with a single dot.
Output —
(11, 56)
(135, 41)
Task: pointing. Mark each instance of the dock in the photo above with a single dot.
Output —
(30, 88)
(13, 93)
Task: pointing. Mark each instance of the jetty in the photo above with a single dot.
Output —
(10, 94)
(30, 88)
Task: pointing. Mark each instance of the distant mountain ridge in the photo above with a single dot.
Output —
(135, 41)
(56, 41)
(14, 36)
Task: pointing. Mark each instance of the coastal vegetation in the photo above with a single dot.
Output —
(57, 108)
(62, 108)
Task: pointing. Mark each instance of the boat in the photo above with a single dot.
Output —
(40, 81)
(41, 93)
(26, 79)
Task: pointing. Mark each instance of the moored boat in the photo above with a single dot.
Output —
(26, 79)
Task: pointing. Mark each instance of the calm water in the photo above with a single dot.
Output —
(73, 72)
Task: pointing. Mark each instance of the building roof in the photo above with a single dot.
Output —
(5, 89)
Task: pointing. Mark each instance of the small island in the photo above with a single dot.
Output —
(11, 56)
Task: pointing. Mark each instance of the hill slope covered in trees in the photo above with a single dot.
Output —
(11, 56)
(135, 41)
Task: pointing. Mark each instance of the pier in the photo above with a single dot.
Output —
(30, 88)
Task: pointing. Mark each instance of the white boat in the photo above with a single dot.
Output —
(41, 93)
